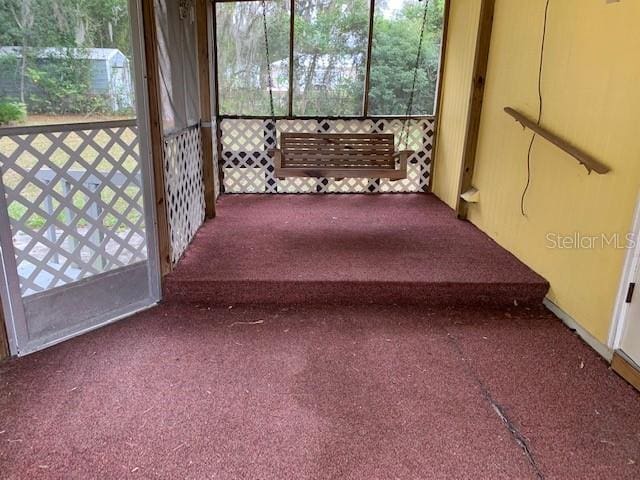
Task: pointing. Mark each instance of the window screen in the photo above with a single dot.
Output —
(242, 58)
(396, 35)
(330, 49)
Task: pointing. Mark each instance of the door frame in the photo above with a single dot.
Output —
(15, 318)
(629, 273)
(13, 309)
(147, 164)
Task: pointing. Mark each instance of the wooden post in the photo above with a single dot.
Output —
(4, 343)
(156, 139)
(204, 65)
(483, 42)
(216, 99)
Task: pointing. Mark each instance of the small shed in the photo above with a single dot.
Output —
(109, 67)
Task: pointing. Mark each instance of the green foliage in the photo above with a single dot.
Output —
(240, 37)
(66, 23)
(331, 42)
(12, 112)
(393, 61)
(62, 87)
(330, 57)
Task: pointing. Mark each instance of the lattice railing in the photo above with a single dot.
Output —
(184, 187)
(248, 168)
(75, 200)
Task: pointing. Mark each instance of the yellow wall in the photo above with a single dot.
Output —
(591, 89)
(456, 88)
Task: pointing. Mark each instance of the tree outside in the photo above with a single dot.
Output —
(329, 56)
(46, 72)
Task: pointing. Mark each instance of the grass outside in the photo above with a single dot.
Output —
(92, 155)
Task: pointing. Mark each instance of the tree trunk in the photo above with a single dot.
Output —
(23, 70)
(24, 21)
(308, 83)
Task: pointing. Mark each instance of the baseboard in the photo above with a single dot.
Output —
(626, 368)
(593, 342)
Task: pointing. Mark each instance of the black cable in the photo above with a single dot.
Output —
(533, 136)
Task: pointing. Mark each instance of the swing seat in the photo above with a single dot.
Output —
(339, 155)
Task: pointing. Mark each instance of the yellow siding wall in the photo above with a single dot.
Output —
(591, 89)
(456, 88)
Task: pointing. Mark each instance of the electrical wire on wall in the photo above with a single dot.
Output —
(533, 136)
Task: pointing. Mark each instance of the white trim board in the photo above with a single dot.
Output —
(631, 264)
(568, 320)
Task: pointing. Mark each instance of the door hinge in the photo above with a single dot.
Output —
(632, 287)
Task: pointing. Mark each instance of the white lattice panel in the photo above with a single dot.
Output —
(347, 126)
(418, 137)
(246, 165)
(299, 184)
(75, 202)
(184, 187)
(248, 168)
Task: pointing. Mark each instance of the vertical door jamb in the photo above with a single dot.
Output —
(147, 50)
(147, 166)
(204, 81)
(13, 309)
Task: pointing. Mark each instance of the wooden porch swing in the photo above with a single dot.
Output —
(342, 155)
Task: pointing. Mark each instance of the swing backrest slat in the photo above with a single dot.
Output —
(339, 155)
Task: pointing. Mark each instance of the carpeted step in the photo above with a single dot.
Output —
(207, 292)
(347, 249)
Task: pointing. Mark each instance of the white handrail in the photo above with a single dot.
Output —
(66, 127)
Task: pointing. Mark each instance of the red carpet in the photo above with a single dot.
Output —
(359, 393)
(208, 386)
(350, 249)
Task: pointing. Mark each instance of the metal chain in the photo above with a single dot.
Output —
(266, 46)
(404, 131)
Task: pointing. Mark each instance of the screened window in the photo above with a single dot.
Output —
(329, 66)
(65, 62)
(396, 36)
(242, 59)
(330, 49)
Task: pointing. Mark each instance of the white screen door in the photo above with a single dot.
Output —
(76, 207)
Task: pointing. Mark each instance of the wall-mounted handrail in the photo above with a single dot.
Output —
(590, 163)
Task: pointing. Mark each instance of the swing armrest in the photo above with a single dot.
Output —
(276, 153)
(406, 153)
(403, 156)
(277, 156)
